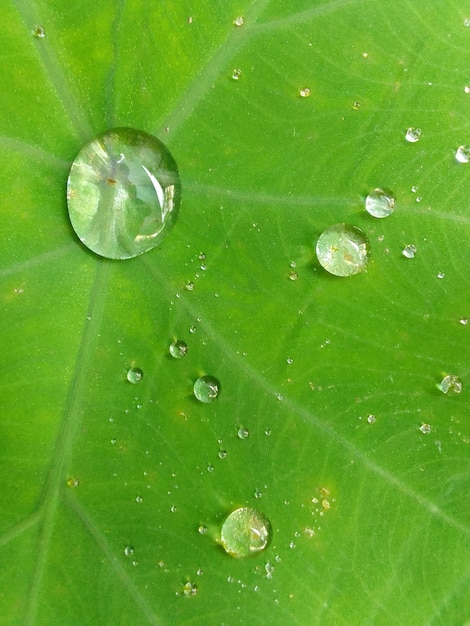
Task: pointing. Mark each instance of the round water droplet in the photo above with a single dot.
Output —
(371, 419)
(139, 499)
(189, 589)
(413, 135)
(239, 20)
(206, 389)
(356, 106)
(128, 551)
(193, 329)
(463, 321)
(189, 286)
(293, 275)
(245, 532)
(134, 375)
(178, 349)
(222, 454)
(409, 251)
(305, 92)
(73, 482)
(463, 154)
(243, 433)
(202, 530)
(425, 429)
(123, 193)
(236, 73)
(450, 384)
(342, 250)
(380, 203)
(467, 89)
(38, 32)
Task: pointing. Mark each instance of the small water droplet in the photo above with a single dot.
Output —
(178, 349)
(210, 468)
(239, 20)
(293, 275)
(245, 532)
(173, 508)
(305, 92)
(258, 494)
(123, 193)
(289, 361)
(342, 250)
(192, 330)
(189, 286)
(38, 32)
(463, 321)
(463, 154)
(356, 106)
(380, 203)
(73, 482)
(409, 251)
(236, 73)
(128, 551)
(267, 432)
(414, 188)
(371, 419)
(413, 134)
(467, 89)
(134, 375)
(450, 384)
(425, 429)
(222, 454)
(202, 530)
(441, 275)
(139, 499)
(113, 442)
(189, 590)
(466, 22)
(206, 389)
(243, 433)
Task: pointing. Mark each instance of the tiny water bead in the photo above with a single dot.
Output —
(243, 433)
(463, 154)
(134, 375)
(123, 193)
(239, 20)
(206, 389)
(413, 135)
(245, 532)
(189, 589)
(409, 251)
(425, 429)
(342, 250)
(380, 203)
(305, 92)
(451, 385)
(38, 32)
(128, 551)
(178, 349)
(236, 73)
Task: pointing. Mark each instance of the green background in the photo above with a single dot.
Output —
(264, 172)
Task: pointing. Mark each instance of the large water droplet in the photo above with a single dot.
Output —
(450, 384)
(123, 193)
(206, 389)
(380, 203)
(178, 349)
(342, 250)
(245, 532)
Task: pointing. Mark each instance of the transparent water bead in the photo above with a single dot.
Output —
(413, 135)
(463, 154)
(409, 251)
(245, 532)
(38, 32)
(305, 92)
(380, 203)
(206, 389)
(450, 384)
(134, 375)
(123, 193)
(239, 20)
(236, 73)
(342, 250)
(178, 349)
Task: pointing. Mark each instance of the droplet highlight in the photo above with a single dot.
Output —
(245, 532)
(305, 92)
(462, 154)
(409, 251)
(123, 193)
(342, 250)
(413, 135)
(380, 203)
(206, 389)
(178, 349)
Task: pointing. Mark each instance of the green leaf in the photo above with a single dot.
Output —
(104, 483)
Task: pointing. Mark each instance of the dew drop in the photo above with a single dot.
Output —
(463, 321)
(239, 20)
(189, 589)
(189, 286)
(413, 135)
(192, 329)
(342, 250)
(467, 89)
(128, 551)
(293, 275)
(123, 193)
(38, 32)
(409, 251)
(463, 154)
(356, 106)
(451, 385)
(245, 532)
(134, 375)
(236, 73)
(178, 349)
(380, 203)
(466, 22)
(73, 482)
(441, 275)
(258, 494)
(371, 419)
(206, 389)
(202, 530)
(222, 454)
(425, 429)
(305, 92)
(139, 499)
(243, 433)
